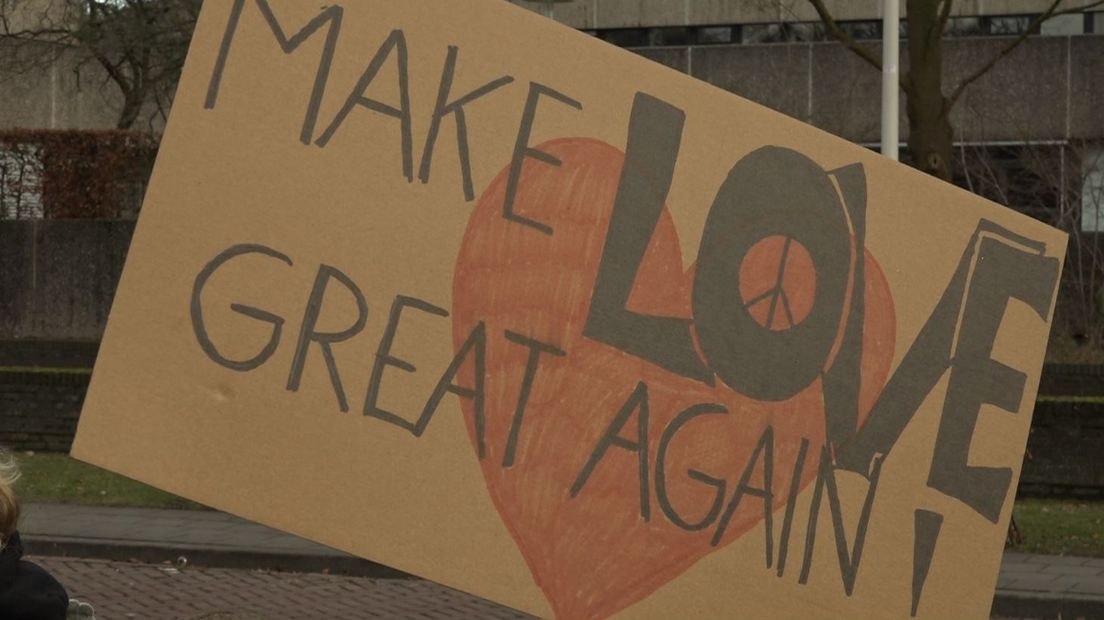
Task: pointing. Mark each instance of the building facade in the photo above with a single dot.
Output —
(1028, 134)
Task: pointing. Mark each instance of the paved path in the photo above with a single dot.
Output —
(125, 591)
(168, 528)
(1029, 585)
(128, 591)
(1049, 586)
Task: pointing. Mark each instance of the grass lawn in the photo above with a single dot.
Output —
(56, 478)
(1060, 527)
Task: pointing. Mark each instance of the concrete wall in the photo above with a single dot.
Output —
(67, 93)
(1049, 88)
(24, 15)
(600, 14)
(58, 277)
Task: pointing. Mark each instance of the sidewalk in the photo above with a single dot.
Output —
(1030, 586)
(202, 538)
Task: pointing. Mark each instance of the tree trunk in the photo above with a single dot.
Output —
(931, 138)
(132, 106)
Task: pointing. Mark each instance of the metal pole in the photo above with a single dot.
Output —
(891, 19)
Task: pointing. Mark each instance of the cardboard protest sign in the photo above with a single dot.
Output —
(479, 297)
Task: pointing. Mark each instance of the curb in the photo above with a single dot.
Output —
(1006, 604)
(1024, 605)
(209, 557)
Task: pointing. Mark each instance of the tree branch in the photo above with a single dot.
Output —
(847, 40)
(945, 15)
(1051, 12)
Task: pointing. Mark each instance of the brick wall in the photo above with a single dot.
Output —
(1065, 445)
(39, 410)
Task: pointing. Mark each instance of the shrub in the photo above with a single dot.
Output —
(61, 174)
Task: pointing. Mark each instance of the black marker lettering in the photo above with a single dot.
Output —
(791, 501)
(523, 150)
(325, 340)
(681, 420)
(655, 134)
(773, 191)
(848, 559)
(397, 43)
(536, 348)
(456, 108)
(475, 345)
(200, 328)
(766, 448)
(385, 358)
(331, 15)
(1002, 272)
(638, 400)
(1017, 268)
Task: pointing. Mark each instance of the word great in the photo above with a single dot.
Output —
(653, 474)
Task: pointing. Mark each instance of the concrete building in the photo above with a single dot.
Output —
(1028, 134)
(1041, 107)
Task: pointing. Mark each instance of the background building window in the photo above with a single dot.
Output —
(20, 182)
(1030, 178)
(1092, 190)
(712, 35)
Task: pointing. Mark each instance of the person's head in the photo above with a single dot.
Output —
(9, 505)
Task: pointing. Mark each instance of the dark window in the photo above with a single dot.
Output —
(761, 33)
(1094, 22)
(711, 35)
(677, 35)
(963, 27)
(795, 32)
(625, 37)
(1008, 25)
(1030, 178)
(869, 30)
(786, 32)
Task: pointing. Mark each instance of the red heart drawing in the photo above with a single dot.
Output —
(593, 554)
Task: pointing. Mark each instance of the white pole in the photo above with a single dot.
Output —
(891, 19)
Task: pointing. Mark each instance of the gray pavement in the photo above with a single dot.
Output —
(1049, 586)
(173, 528)
(126, 591)
(207, 538)
(1030, 586)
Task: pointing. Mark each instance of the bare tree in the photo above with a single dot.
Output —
(139, 45)
(928, 99)
(1061, 184)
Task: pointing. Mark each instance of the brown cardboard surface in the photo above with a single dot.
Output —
(474, 295)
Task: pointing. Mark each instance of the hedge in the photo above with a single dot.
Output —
(61, 174)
